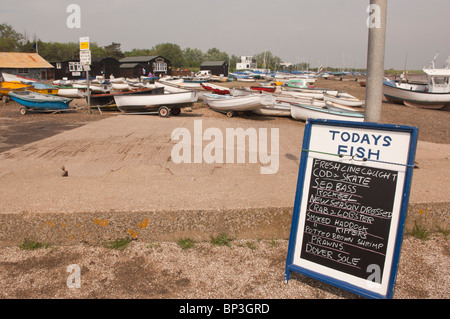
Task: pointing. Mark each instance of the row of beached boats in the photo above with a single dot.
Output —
(167, 96)
(297, 97)
(300, 104)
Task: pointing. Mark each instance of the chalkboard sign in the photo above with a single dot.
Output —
(350, 206)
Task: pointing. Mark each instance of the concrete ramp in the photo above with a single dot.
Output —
(125, 177)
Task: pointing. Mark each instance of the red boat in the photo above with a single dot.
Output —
(216, 88)
(264, 88)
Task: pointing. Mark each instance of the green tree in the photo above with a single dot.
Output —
(113, 50)
(55, 51)
(215, 54)
(268, 60)
(139, 52)
(172, 52)
(10, 40)
(193, 57)
(234, 59)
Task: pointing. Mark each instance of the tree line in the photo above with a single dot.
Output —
(188, 58)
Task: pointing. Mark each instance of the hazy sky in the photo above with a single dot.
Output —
(322, 32)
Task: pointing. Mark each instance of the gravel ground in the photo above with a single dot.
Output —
(248, 269)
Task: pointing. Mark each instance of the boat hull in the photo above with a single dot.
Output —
(37, 101)
(134, 103)
(304, 112)
(108, 98)
(227, 103)
(216, 89)
(278, 109)
(344, 99)
(416, 98)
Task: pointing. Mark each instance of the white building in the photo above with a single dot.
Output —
(246, 63)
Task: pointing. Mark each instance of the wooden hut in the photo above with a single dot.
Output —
(154, 64)
(216, 67)
(29, 65)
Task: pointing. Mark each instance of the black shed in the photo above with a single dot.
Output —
(216, 67)
(154, 64)
(105, 67)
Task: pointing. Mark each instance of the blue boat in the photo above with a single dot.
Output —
(41, 102)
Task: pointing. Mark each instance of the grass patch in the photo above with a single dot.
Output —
(118, 244)
(186, 243)
(32, 245)
(154, 244)
(251, 245)
(273, 243)
(221, 240)
(419, 231)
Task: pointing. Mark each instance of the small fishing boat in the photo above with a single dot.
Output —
(178, 85)
(230, 104)
(71, 93)
(163, 104)
(435, 94)
(44, 88)
(238, 75)
(340, 107)
(306, 111)
(300, 83)
(343, 99)
(37, 101)
(119, 86)
(12, 86)
(274, 109)
(16, 78)
(100, 89)
(63, 82)
(265, 88)
(216, 89)
(108, 98)
(313, 95)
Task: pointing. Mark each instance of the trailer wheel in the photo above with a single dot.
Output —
(175, 111)
(23, 110)
(163, 111)
(230, 113)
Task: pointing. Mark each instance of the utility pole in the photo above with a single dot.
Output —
(375, 59)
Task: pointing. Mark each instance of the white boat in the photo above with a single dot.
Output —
(337, 106)
(216, 89)
(435, 94)
(311, 95)
(275, 109)
(120, 86)
(16, 78)
(230, 104)
(300, 83)
(245, 80)
(343, 99)
(72, 92)
(274, 98)
(175, 86)
(63, 82)
(305, 111)
(100, 89)
(113, 79)
(141, 103)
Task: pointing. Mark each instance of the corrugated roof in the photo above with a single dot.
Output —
(18, 60)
